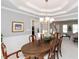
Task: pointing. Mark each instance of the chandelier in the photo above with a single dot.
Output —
(46, 19)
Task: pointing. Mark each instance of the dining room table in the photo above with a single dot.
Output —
(36, 49)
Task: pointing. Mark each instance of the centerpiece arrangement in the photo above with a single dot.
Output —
(47, 39)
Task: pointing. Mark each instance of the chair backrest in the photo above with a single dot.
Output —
(60, 38)
(57, 35)
(4, 50)
(60, 42)
(53, 46)
(32, 38)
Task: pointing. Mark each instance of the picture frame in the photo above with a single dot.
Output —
(17, 26)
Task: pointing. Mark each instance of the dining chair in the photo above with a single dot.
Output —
(57, 49)
(6, 56)
(56, 35)
(32, 38)
(51, 54)
(59, 46)
(60, 43)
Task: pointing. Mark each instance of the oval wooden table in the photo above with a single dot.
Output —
(35, 49)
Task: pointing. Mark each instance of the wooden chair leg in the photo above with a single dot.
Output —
(54, 55)
(60, 53)
(57, 55)
(40, 58)
(5, 57)
(17, 55)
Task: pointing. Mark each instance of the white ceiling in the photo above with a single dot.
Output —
(59, 9)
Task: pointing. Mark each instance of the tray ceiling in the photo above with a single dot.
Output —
(53, 8)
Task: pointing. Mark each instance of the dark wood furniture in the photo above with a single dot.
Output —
(59, 46)
(32, 38)
(54, 49)
(51, 54)
(4, 52)
(58, 37)
(37, 49)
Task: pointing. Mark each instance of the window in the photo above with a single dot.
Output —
(64, 28)
(75, 28)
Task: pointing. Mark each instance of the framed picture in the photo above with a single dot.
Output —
(17, 26)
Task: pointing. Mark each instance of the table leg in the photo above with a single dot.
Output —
(27, 57)
(40, 57)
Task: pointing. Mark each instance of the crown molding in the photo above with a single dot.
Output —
(17, 11)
